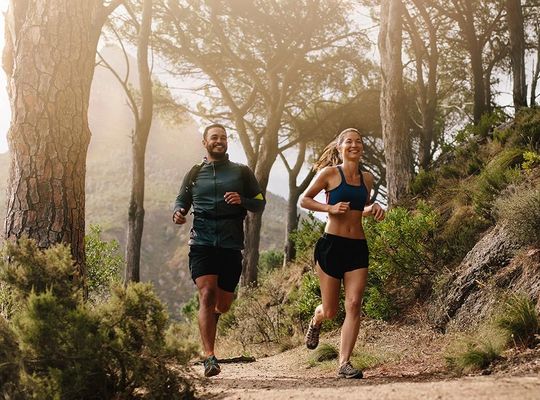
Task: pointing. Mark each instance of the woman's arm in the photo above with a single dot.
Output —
(373, 209)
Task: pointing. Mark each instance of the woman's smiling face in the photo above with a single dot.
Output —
(351, 146)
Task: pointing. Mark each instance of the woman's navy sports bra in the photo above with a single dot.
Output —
(356, 195)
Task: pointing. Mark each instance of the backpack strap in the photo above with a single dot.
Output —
(192, 177)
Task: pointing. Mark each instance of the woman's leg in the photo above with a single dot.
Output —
(354, 282)
(330, 297)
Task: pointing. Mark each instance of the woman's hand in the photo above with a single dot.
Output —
(339, 208)
(377, 211)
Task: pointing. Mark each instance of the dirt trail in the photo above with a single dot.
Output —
(279, 377)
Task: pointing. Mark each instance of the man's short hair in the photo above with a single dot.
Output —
(215, 125)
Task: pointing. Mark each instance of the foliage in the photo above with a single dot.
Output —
(9, 360)
(519, 320)
(306, 236)
(473, 354)
(258, 316)
(402, 255)
(103, 263)
(483, 128)
(308, 297)
(495, 177)
(521, 212)
(531, 159)
(527, 127)
(70, 349)
(178, 344)
(362, 359)
(423, 182)
(324, 352)
(378, 304)
(270, 260)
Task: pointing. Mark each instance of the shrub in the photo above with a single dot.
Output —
(305, 238)
(527, 126)
(103, 263)
(521, 212)
(379, 305)
(270, 260)
(473, 355)
(519, 320)
(70, 349)
(308, 297)
(9, 361)
(531, 160)
(423, 182)
(496, 176)
(324, 352)
(402, 252)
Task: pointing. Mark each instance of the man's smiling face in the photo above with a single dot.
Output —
(215, 142)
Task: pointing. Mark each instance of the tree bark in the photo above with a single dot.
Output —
(536, 72)
(49, 60)
(396, 139)
(517, 52)
(143, 123)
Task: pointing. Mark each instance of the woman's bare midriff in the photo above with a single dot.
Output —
(347, 225)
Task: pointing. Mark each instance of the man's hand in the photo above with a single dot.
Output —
(179, 217)
(339, 208)
(232, 198)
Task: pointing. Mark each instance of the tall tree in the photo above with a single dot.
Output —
(397, 143)
(256, 57)
(49, 60)
(426, 58)
(514, 15)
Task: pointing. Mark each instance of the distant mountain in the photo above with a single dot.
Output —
(171, 151)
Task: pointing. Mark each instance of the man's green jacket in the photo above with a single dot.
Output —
(215, 222)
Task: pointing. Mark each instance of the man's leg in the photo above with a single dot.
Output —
(208, 296)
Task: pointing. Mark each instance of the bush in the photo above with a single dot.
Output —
(402, 255)
(521, 212)
(308, 297)
(324, 352)
(496, 176)
(473, 355)
(423, 182)
(270, 260)
(527, 126)
(519, 320)
(531, 160)
(71, 350)
(379, 305)
(305, 238)
(103, 263)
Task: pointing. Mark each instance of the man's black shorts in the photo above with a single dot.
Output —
(209, 260)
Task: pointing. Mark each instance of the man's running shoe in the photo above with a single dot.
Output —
(349, 372)
(312, 335)
(211, 366)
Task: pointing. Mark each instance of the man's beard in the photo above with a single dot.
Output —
(218, 155)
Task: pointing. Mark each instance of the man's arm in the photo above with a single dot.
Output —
(252, 199)
(183, 200)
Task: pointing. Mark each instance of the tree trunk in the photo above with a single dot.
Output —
(536, 72)
(292, 222)
(517, 52)
(479, 90)
(253, 222)
(49, 61)
(396, 139)
(143, 124)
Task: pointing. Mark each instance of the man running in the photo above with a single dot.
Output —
(221, 192)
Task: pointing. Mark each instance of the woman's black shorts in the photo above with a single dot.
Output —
(225, 263)
(337, 255)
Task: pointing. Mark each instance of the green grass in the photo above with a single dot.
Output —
(519, 320)
(474, 354)
(325, 352)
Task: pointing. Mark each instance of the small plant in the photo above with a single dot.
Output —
(379, 305)
(364, 360)
(305, 238)
(519, 320)
(270, 260)
(423, 182)
(324, 352)
(473, 355)
(103, 263)
(531, 159)
(521, 212)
